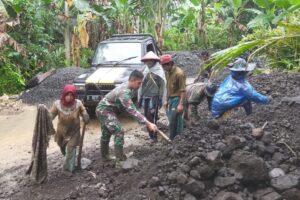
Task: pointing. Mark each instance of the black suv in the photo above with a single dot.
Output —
(114, 60)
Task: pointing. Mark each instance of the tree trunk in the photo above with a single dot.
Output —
(67, 34)
(201, 24)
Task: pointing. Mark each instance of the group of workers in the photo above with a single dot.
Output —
(164, 85)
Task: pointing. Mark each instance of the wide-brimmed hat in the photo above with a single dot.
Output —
(241, 65)
(150, 56)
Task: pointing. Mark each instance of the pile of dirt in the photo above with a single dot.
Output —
(190, 62)
(222, 161)
(49, 90)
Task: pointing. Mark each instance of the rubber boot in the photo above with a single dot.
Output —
(105, 151)
(119, 156)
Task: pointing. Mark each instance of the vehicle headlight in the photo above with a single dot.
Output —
(80, 87)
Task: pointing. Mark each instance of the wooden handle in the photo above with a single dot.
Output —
(163, 135)
(80, 147)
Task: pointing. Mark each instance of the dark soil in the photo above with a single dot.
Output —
(202, 163)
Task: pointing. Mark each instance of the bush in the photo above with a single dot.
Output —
(11, 81)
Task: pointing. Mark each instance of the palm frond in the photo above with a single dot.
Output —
(220, 59)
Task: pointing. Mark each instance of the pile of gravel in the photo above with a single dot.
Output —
(190, 62)
(50, 89)
(222, 161)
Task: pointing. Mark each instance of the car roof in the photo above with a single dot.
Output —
(130, 37)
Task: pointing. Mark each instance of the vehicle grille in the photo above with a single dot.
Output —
(100, 87)
(106, 86)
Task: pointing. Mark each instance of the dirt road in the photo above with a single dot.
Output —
(15, 138)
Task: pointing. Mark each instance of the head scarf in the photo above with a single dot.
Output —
(68, 89)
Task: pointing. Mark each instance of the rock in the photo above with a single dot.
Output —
(195, 174)
(189, 197)
(154, 181)
(102, 192)
(194, 187)
(206, 171)
(85, 162)
(143, 184)
(172, 176)
(185, 168)
(130, 163)
(213, 124)
(291, 194)
(213, 156)
(220, 146)
(276, 172)
(272, 196)
(224, 181)
(181, 178)
(235, 142)
(262, 192)
(227, 196)
(267, 138)
(4, 97)
(74, 195)
(161, 190)
(251, 167)
(278, 157)
(285, 182)
(194, 161)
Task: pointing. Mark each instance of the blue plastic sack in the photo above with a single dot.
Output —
(235, 92)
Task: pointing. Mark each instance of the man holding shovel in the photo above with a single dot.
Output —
(113, 104)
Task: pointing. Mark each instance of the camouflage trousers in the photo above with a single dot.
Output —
(110, 125)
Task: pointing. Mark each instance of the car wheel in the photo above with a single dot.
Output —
(91, 111)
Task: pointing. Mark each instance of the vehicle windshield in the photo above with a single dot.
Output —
(114, 52)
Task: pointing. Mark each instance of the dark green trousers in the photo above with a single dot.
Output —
(175, 118)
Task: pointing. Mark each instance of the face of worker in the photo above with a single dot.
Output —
(69, 97)
(149, 63)
(167, 67)
(135, 84)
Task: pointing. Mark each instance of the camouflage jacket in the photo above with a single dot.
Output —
(195, 92)
(117, 101)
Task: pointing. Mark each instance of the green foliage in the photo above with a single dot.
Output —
(11, 80)
(85, 55)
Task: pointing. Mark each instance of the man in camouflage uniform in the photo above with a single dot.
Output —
(195, 94)
(113, 104)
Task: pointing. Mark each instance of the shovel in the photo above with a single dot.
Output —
(164, 136)
(258, 132)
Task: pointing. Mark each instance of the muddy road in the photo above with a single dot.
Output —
(16, 134)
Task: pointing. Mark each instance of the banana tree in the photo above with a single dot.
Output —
(232, 12)
(161, 11)
(271, 11)
(287, 36)
(7, 12)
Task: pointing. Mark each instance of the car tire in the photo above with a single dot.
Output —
(91, 110)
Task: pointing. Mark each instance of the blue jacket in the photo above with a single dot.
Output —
(235, 92)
